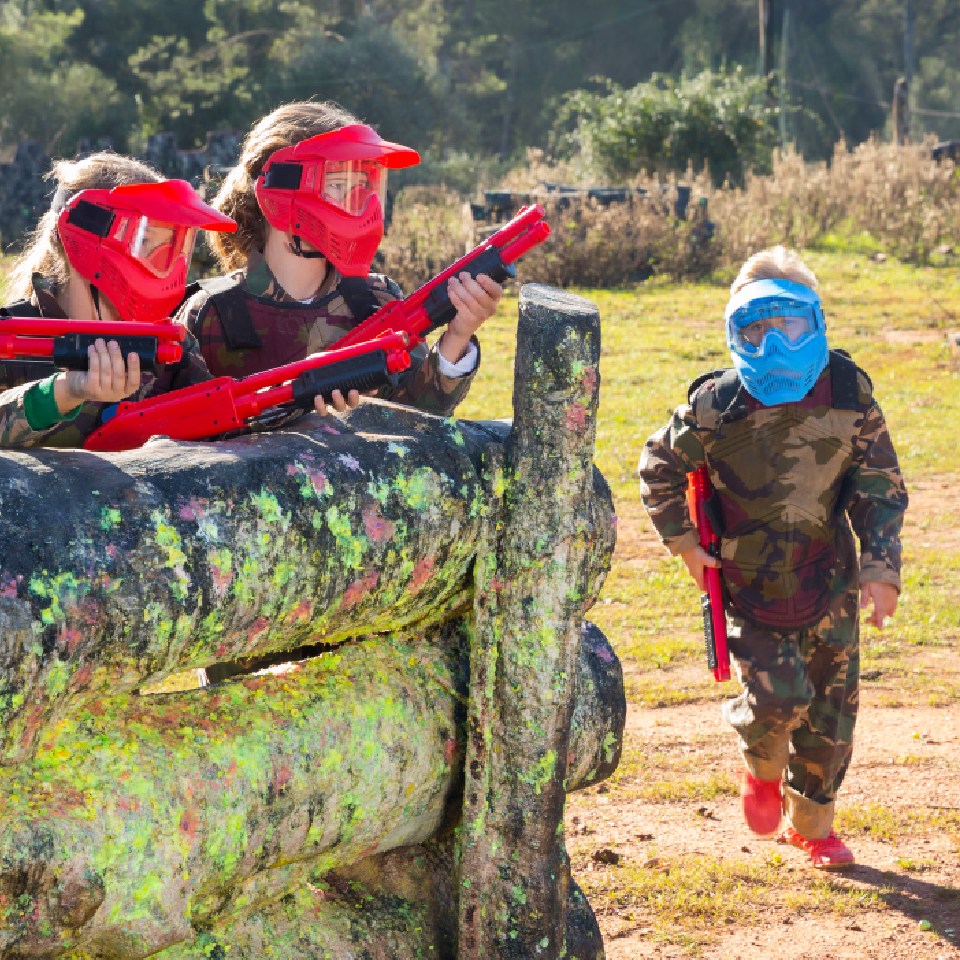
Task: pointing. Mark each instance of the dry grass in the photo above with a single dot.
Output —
(875, 198)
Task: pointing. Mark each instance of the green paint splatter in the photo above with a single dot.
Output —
(543, 772)
(62, 591)
(110, 518)
(351, 546)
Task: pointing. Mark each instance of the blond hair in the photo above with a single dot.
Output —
(775, 263)
(283, 127)
(44, 253)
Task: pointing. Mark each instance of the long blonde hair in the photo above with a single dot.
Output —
(283, 127)
(44, 254)
(775, 263)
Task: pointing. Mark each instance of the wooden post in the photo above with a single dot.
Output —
(901, 112)
(531, 592)
(767, 39)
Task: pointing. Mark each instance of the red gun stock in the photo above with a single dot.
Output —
(66, 341)
(699, 491)
(429, 307)
(218, 406)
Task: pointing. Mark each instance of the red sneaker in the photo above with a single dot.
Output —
(762, 804)
(830, 853)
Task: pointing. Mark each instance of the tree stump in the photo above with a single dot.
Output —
(531, 572)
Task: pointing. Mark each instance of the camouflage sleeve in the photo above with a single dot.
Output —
(423, 386)
(877, 501)
(667, 457)
(15, 429)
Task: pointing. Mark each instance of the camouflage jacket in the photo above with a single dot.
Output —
(16, 378)
(788, 478)
(288, 330)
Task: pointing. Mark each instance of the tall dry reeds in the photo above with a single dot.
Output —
(895, 198)
(899, 196)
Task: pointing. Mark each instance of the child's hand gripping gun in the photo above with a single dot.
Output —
(65, 342)
(699, 491)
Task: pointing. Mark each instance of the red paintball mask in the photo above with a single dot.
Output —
(330, 191)
(133, 243)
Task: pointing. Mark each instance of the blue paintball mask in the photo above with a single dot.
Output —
(778, 339)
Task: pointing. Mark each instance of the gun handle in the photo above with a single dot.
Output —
(709, 638)
(368, 371)
(438, 306)
(715, 626)
(70, 351)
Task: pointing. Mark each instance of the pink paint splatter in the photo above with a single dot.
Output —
(576, 416)
(319, 480)
(256, 629)
(189, 823)
(221, 580)
(422, 573)
(82, 677)
(69, 639)
(193, 510)
(359, 589)
(282, 776)
(589, 379)
(377, 527)
(8, 589)
(302, 611)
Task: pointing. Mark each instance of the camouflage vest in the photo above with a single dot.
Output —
(780, 476)
(259, 334)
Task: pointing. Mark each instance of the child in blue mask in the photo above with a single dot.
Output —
(801, 461)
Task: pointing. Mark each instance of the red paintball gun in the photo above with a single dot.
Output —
(223, 404)
(65, 342)
(699, 491)
(429, 307)
(363, 359)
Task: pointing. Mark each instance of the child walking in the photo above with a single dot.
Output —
(798, 452)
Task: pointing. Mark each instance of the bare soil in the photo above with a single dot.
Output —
(905, 759)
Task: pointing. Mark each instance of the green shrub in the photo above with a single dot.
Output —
(718, 121)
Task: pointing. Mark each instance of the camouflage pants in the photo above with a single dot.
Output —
(796, 712)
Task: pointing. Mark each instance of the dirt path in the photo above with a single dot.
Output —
(906, 759)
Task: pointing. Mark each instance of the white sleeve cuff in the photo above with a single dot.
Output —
(466, 364)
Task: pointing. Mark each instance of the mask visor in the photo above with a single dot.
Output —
(349, 185)
(794, 321)
(157, 246)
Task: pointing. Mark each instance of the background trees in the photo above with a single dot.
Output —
(483, 78)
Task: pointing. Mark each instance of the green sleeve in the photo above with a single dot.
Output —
(40, 406)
